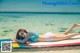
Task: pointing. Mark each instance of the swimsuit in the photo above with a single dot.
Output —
(49, 37)
(35, 37)
(32, 37)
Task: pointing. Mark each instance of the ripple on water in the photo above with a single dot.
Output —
(64, 29)
(49, 24)
(6, 31)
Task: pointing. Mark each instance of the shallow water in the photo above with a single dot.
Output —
(40, 23)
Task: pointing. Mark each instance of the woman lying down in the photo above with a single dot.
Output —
(23, 36)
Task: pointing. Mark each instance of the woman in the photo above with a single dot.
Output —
(23, 36)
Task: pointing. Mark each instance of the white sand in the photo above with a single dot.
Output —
(72, 49)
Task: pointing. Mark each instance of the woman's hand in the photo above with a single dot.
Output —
(25, 34)
(27, 44)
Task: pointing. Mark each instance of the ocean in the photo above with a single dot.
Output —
(36, 22)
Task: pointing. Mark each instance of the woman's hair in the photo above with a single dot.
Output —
(17, 35)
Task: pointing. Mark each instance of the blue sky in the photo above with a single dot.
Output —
(35, 6)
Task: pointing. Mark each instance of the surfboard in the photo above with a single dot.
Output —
(64, 43)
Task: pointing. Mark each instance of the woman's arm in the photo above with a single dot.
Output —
(21, 41)
(25, 39)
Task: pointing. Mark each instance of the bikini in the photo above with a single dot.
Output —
(49, 37)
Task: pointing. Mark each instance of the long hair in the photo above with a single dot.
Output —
(17, 35)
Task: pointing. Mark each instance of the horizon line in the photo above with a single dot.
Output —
(43, 12)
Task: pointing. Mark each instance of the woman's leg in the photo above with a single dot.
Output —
(67, 31)
(63, 37)
(57, 37)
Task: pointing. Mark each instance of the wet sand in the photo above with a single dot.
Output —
(71, 49)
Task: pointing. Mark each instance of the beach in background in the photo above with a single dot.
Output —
(39, 23)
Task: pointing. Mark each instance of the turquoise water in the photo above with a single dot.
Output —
(40, 23)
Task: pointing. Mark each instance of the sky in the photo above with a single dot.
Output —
(36, 6)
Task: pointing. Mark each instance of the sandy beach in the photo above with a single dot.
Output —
(71, 49)
(39, 23)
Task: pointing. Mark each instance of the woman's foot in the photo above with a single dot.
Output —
(75, 25)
